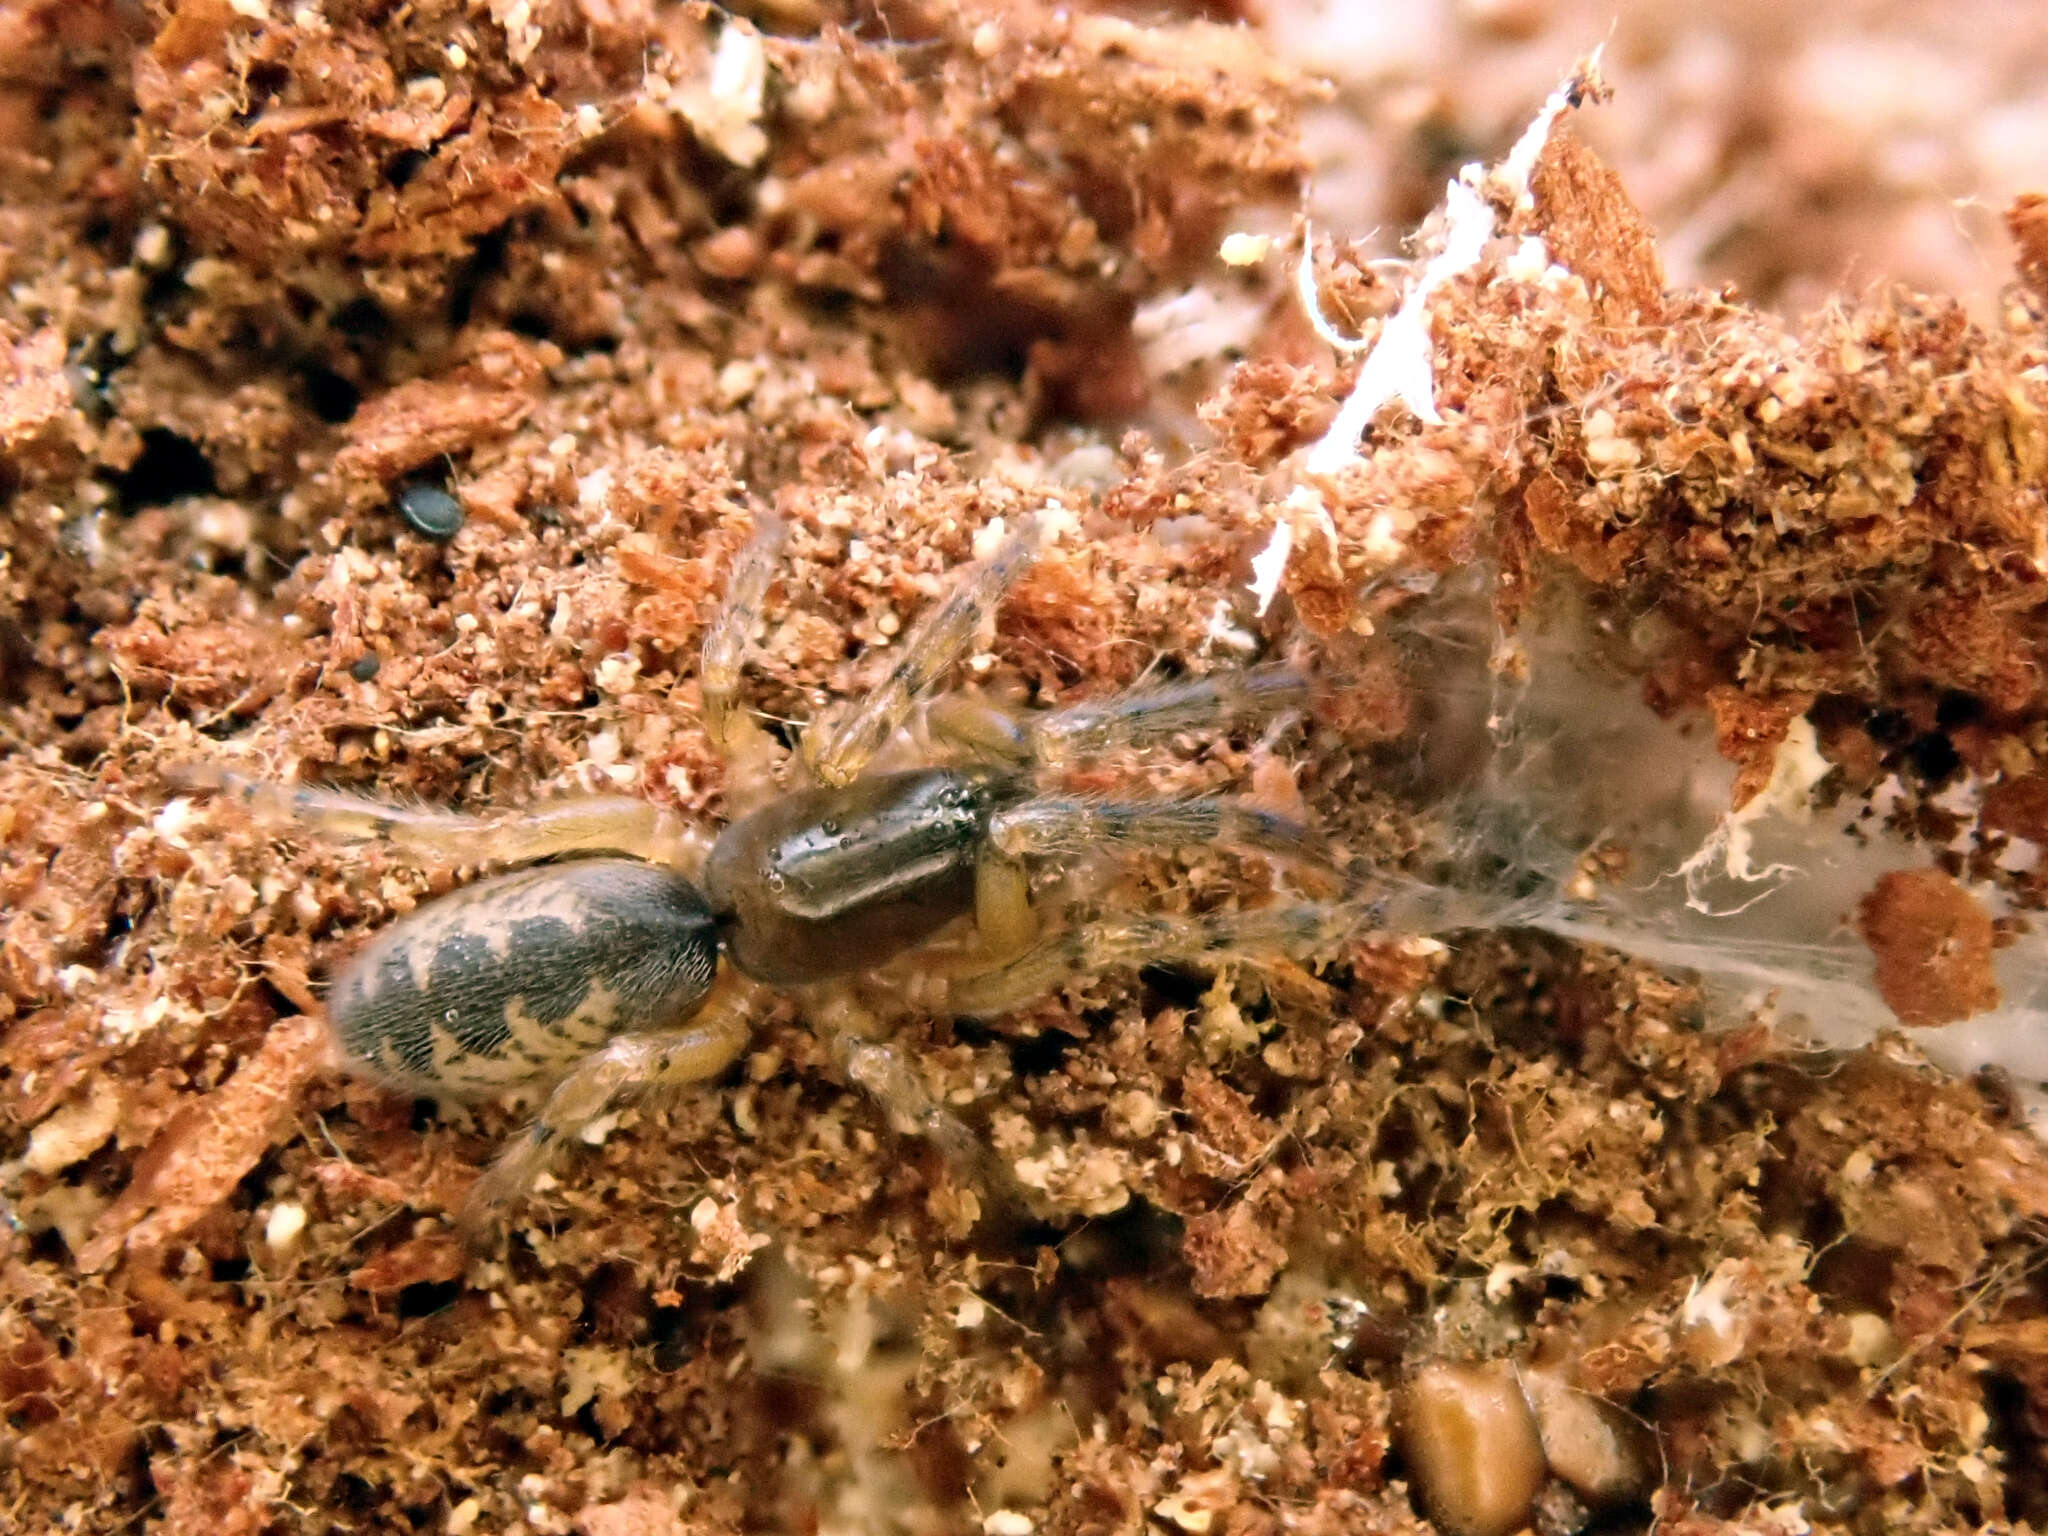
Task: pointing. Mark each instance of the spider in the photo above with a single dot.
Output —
(627, 954)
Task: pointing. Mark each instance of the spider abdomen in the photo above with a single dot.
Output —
(515, 979)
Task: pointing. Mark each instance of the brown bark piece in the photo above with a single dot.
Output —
(306, 162)
(426, 419)
(1748, 732)
(34, 394)
(1232, 1253)
(208, 1499)
(204, 663)
(1593, 228)
(1601, 554)
(432, 1259)
(2019, 807)
(638, 1514)
(1933, 941)
(210, 1145)
(2027, 222)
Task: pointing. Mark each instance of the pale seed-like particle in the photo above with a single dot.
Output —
(1587, 1441)
(1471, 1445)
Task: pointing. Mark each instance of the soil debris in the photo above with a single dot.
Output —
(627, 278)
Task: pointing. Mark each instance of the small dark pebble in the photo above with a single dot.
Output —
(364, 668)
(431, 512)
(88, 390)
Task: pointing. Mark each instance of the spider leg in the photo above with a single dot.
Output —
(847, 746)
(1004, 921)
(627, 1068)
(1136, 718)
(728, 643)
(1134, 939)
(1054, 825)
(578, 824)
(969, 724)
(1144, 716)
(885, 1074)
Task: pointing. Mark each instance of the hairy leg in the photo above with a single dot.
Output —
(748, 752)
(729, 640)
(1133, 939)
(967, 723)
(1064, 825)
(1145, 716)
(842, 749)
(885, 1074)
(628, 1068)
(882, 1070)
(1136, 718)
(578, 824)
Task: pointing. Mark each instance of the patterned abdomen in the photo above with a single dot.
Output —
(515, 979)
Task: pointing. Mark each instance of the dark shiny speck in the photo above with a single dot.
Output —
(431, 512)
(363, 668)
